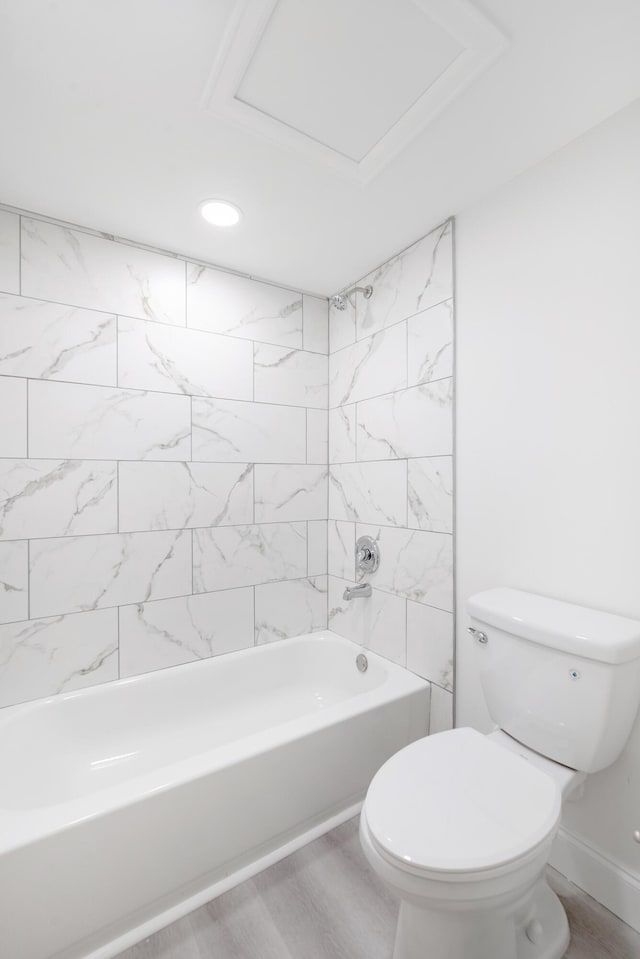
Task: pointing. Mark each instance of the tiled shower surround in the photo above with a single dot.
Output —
(390, 455)
(164, 456)
(163, 480)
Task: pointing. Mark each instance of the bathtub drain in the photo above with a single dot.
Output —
(362, 662)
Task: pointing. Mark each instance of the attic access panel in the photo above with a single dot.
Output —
(349, 83)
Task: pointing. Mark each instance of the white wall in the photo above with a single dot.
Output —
(548, 415)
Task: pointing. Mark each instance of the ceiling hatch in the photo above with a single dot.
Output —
(347, 82)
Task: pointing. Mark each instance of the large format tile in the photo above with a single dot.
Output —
(225, 303)
(430, 643)
(13, 416)
(317, 436)
(41, 498)
(42, 657)
(414, 564)
(181, 495)
(341, 548)
(430, 485)
(369, 368)
(53, 342)
(413, 422)
(14, 581)
(342, 434)
(430, 344)
(225, 557)
(377, 621)
(369, 492)
(315, 324)
(317, 547)
(152, 356)
(97, 422)
(9, 252)
(229, 431)
(89, 572)
(290, 376)
(68, 266)
(169, 632)
(290, 608)
(285, 493)
(416, 279)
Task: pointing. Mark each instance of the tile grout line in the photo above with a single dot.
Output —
(28, 580)
(156, 392)
(390, 326)
(255, 625)
(406, 633)
(243, 462)
(400, 389)
(183, 529)
(193, 564)
(225, 399)
(163, 599)
(454, 473)
(26, 397)
(163, 323)
(20, 255)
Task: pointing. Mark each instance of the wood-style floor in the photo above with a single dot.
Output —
(324, 902)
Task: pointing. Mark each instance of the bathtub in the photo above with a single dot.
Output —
(125, 806)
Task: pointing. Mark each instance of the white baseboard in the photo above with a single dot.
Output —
(602, 878)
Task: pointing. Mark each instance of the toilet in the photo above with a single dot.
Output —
(459, 824)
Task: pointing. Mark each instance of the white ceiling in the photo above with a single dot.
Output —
(104, 120)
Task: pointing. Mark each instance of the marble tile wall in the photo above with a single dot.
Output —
(163, 460)
(390, 463)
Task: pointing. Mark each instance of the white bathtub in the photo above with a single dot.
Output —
(124, 806)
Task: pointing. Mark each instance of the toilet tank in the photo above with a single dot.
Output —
(561, 679)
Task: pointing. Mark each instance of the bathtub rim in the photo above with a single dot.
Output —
(20, 828)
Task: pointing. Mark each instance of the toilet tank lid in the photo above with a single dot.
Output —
(590, 633)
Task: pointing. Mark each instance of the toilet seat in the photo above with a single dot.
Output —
(456, 804)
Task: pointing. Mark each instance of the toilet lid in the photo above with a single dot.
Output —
(457, 802)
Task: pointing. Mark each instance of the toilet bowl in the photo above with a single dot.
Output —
(460, 826)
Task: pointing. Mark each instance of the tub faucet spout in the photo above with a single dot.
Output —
(356, 592)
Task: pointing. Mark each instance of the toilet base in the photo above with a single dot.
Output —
(535, 929)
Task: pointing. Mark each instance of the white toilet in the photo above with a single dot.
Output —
(460, 825)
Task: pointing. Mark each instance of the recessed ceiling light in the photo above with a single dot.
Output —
(220, 212)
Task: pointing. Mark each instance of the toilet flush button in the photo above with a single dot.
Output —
(534, 931)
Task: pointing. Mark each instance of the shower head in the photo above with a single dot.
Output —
(342, 300)
(339, 301)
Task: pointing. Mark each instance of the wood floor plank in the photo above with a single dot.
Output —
(324, 902)
(595, 932)
(328, 904)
